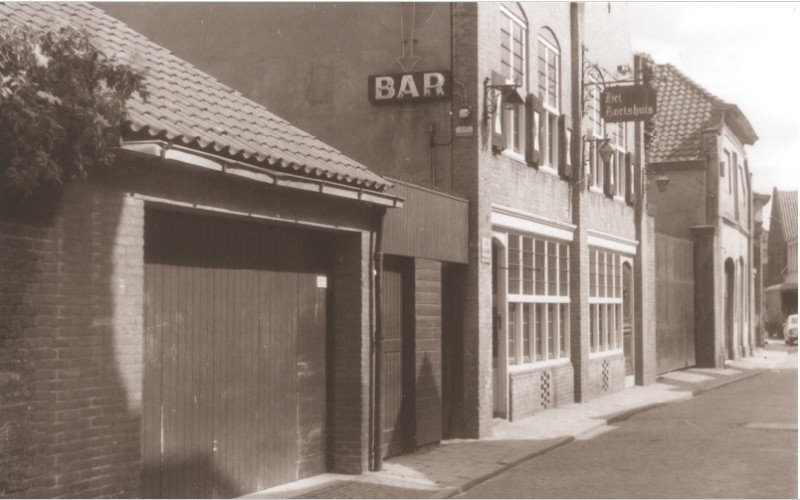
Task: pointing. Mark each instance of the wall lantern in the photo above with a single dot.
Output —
(507, 92)
(660, 178)
(603, 147)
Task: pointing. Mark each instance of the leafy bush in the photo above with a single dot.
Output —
(62, 101)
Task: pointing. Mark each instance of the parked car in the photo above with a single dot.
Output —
(790, 329)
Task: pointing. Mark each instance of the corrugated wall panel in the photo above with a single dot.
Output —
(431, 225)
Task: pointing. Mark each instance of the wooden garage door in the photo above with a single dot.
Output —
(234, 394)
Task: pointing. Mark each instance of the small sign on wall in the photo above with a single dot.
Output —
(420, 86)
(322, 281)
(486, 250)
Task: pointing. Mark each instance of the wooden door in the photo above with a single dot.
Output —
(397, 368)
(234, 394)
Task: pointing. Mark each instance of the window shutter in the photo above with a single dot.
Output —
(498, 130)
(587, 165)
(608, 172)
(564, 146)
(533, 125)
(629, 178)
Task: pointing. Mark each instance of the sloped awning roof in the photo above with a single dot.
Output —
(191, 110)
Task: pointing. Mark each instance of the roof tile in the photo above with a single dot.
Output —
(189, 107)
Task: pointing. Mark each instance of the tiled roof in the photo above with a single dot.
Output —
(192, 109)
(684, 110)
(786, 203)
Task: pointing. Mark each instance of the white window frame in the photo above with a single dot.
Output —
(618, 142)
(513, 121)
(548, 310)
(551, 110)
(597, 132)
(605, 302)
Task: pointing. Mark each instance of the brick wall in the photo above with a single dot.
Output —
(72, 347)
(351, 354)
(606, 375)
(71, 320)
(428, 351)
(540, 389)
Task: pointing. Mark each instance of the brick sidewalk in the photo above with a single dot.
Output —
(455, 465)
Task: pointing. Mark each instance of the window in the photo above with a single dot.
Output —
(595, 166)
(549, 92)
(612, 178)
(512, 61)
(605, 300)
(617, 132)
(727, 156)
(538, 299)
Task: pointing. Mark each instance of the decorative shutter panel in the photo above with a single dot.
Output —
(629, 178)
(564, 146)
(588, 166)
(533, 126)
(496, 123)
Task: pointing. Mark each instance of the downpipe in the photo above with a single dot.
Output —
(377, 414)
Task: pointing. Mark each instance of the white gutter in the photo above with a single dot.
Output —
(208, 161)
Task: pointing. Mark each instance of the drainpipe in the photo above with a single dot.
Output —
(377, 428)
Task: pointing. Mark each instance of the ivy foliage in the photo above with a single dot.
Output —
(62, 101)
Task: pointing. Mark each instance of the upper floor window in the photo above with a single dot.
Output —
(618, 133)
(550, 93)
(727, 156)
(512, 62)
(597, 128)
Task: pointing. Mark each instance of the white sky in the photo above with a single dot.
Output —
(745, 53)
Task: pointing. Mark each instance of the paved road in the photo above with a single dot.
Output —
(738, 441)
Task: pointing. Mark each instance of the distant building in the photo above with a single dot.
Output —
(760, 237)
(700, 144)
(780, 277)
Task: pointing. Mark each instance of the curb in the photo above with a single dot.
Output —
(455, 490)
(452, 491)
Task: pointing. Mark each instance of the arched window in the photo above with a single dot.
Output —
(510, 123)
(549, 64)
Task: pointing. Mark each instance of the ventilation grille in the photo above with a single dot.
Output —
(546, 391)
(606, 376)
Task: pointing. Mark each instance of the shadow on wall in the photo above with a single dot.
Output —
(176, 482)
(70, 344)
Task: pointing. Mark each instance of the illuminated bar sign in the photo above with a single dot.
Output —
(418, 86)
(628, 104)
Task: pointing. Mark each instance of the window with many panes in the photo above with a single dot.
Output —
(538, 299)
(605, 300)
(550, 93)
(512, 62)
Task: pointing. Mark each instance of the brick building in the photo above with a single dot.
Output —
(558, 291)
(700, 145)
(196, 321)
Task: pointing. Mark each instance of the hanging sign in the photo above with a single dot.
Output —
(418, 86)
(628, 104)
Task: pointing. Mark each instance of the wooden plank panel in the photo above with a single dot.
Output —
(392, 370)
(311, 376)
(151, 392)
